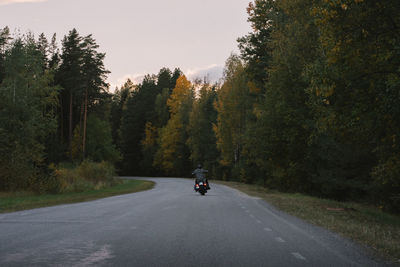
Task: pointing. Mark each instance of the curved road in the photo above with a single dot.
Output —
(171, 225)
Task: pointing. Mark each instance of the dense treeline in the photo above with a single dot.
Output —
(164, 125)
(327, 121)
(329, 117)
(54, 107)
(311, 104)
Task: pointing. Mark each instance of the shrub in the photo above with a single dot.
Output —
(88, 175)
(97, 172)
(387, 180)
(47, 184)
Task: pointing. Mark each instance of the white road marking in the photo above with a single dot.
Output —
(247, 211)
(267, 229)
(258, 221)
(280, 240)
(298, 256)
(252, 216)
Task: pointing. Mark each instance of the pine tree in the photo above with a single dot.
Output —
(27, 100)
(119, 99)
(138, 110)
(94, 76)
(82, 76)
(70, 78)
(4, 40)
(43, 46)
(54, 53)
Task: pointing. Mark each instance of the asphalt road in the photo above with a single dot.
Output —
(171, 225)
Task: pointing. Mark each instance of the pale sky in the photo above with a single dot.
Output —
(141, 36)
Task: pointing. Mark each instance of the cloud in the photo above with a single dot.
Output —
(136, 78)
(8, 2)
(212, 73)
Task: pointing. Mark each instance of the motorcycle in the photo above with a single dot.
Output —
(201, 187)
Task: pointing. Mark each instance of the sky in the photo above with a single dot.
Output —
(141, 36)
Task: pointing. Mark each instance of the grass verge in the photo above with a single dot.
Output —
(366, 225)
(15, 201)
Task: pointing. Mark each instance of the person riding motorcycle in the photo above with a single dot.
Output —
(199, 174)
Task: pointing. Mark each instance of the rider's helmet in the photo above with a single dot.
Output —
(199, 166)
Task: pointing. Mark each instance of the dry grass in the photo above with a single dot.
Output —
(364, 224)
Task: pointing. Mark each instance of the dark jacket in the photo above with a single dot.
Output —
(199, 173)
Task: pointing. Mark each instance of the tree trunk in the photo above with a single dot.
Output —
(84, 125)
(61, 120)
(70, 125)
(81, 116)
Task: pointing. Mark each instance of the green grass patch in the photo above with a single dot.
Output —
(15, 201)
(367, 225)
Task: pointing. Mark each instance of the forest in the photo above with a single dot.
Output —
(311, 104)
